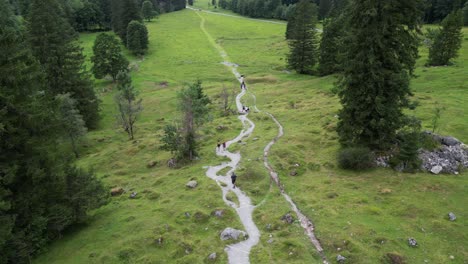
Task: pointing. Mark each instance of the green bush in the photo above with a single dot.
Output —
(356, 158)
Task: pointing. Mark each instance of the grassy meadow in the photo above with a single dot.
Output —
(362, 216)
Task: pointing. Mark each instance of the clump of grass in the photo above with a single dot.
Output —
(356, 158)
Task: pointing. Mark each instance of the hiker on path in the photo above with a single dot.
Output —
(224, 145)
(218, 146)
(242, 82)
(233, 180)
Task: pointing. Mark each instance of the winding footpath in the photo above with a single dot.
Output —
(239, 253)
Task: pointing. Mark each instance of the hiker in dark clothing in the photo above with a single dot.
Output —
(218, 146)
(242, 82)
(224, 145)
(233, 179)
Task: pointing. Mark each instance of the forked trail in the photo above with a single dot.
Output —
(239, 253)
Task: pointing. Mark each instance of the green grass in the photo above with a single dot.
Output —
(353, 215)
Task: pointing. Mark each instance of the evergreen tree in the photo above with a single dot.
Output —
(71, 120)
(303, 42)
(213, 2)
(123, 12)
(107, 57)
(324, 8)
(332, 45)
(88, 17)
(190, 2)
(147, 10)
(465, 14)
(128, 105)
(40, 192)
(54, 44)
(137, 38)
(381, 51)
(447, 41)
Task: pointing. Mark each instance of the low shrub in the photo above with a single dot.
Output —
(356, 158)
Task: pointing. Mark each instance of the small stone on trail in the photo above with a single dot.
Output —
(452, 216)
(231, 233)
(151, 164)
(255, 138)
(133, 195)
(412, 242)
(436, 169)
(212, 256)
(117, 191)
(192, 184)
(288, 218)
(340, 259)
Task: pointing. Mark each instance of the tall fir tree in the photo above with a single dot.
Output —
(128, 106)
(332, 45)
(324, 8)
(447, 40)
(54, 44)
(303, 43)
(41, 193)
(465, 14)
(382, 47)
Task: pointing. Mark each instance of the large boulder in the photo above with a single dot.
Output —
(446, 159)
(450, 141)
(288, 218)
(231, 233)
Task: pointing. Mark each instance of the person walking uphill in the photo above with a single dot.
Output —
(233, 180)
(242, 80)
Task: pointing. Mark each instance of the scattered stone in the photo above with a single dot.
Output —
(293, 173)
(151, 164)
(231, 233)
(163, 84)
(212, 256)
(255, 138)
(450, 141)
(133, 195)
(296, 165)
(452, 257)
(220, 128)
(192, 184)
(270, 241)
(385, 191)
(159, 240)
(288, 218)
(268, 227)
(187, 214)
(452, 216)
(117, 191)
(172, 163)
(340, 259)
(412, 242)
(436, 169)
(218, 213)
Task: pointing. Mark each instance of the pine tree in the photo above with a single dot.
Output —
(129, 107)
(332, 45)
(107, 57)
(324, 8)
(465, 14)
(303, 42)
(147, 10)
(54, 44)
(447, 41)
(382, 47)
(71, 120)
(123, 12)
(39, 189)
(137, 38)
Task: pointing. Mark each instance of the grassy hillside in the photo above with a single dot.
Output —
(362, 216)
